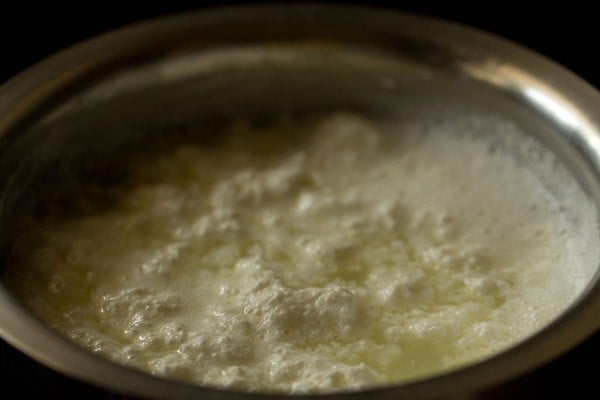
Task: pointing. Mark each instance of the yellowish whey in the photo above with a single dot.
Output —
(317, 256)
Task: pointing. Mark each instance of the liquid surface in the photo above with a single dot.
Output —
(317, 256)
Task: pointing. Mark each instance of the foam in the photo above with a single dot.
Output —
(316, 256)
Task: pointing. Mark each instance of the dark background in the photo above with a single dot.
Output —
(567, 32)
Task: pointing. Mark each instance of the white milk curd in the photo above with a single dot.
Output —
(306, 256)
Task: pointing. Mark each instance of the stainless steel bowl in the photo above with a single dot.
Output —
(257, 61)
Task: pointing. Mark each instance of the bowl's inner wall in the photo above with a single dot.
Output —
(195, 95)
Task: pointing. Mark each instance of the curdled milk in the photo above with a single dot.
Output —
(315, 256)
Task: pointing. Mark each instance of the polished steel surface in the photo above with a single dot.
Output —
(265, 60)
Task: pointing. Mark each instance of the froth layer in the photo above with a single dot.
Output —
(317, 256)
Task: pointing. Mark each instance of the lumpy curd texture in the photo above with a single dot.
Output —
(300, 257)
